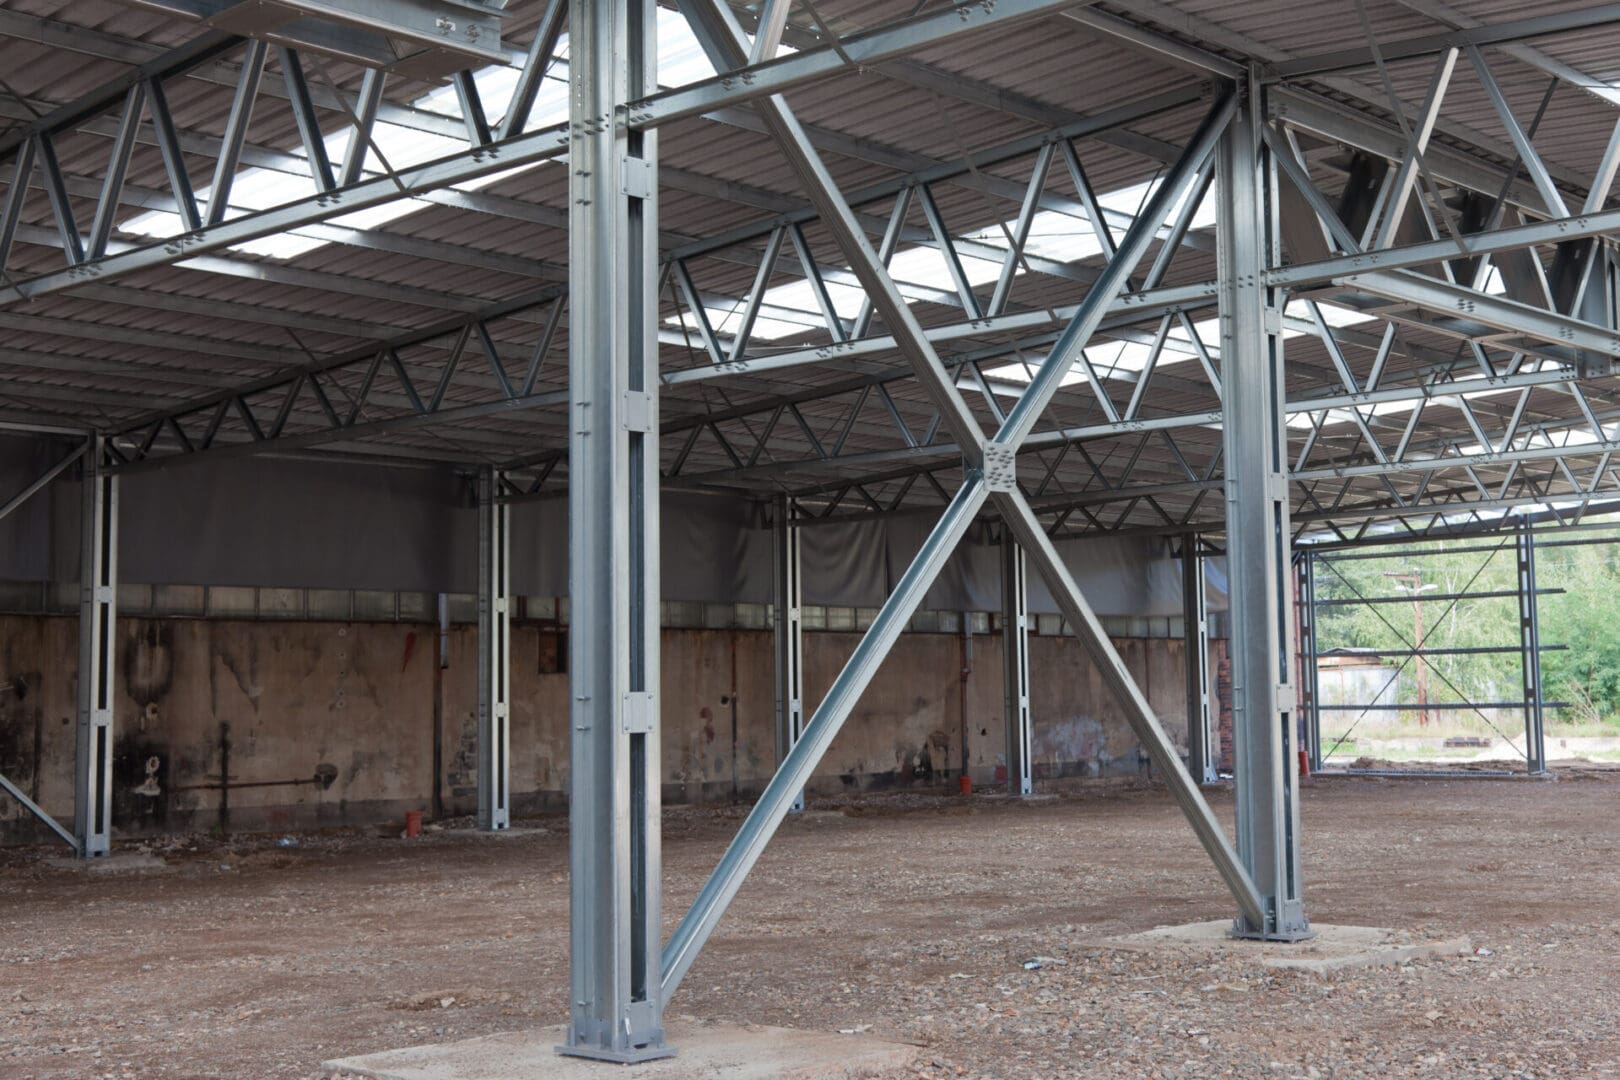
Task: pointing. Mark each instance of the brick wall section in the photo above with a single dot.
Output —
(347, 723)
(1223, 724)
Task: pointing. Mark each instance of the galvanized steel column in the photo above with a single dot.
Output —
(494, 655)
(616, 1005)
(789, 631)
(1255, 450)
(1535, 746)
(1195, 633)
(1310, 705)
(1015, 658)
(98, 601)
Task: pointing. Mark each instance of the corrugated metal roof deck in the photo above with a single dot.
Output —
(106, 354)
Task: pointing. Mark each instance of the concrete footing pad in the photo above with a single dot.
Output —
(1332, 949)
(118, 862)
(704, 1051)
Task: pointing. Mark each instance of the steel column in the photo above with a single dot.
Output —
(616, 1000)
(1195, 620)
(1255, 448)
(98, 600)
(1015, 659)
(1310, 704)
(1535, 748)
(494, 654)
(789, 633)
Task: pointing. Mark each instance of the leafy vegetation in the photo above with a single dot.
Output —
(1580, 611)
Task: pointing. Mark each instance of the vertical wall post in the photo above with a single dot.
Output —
(1195, 619)
(98, 602)
(616, 1000)
(789, 631)
(1255, 450)
(1309, 649)
(1535, 747)
(1015, 656)
(494, 655)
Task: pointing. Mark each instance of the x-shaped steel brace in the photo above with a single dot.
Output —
(990, 476)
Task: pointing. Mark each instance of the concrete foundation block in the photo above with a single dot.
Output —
(489, 834)
(118, 862)
(1333, 948)
(704, 1051)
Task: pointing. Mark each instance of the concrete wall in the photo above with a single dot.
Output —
(269, 725)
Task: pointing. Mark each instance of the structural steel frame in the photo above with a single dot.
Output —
(1528, 647)
(1071, 446)
(1201, 734)
(788, 633)
(494, 654)
(98, 652)
(1015, 661)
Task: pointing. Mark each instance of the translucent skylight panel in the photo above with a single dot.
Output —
(1058, 236)
(925, 266)
(681, 60)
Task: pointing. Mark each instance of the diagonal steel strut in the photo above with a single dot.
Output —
(727, 46)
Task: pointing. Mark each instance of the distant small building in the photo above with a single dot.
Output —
(1357, 677)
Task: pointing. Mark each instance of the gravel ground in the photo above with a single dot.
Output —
(904, 917)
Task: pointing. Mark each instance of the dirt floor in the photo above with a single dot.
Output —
(905, 917)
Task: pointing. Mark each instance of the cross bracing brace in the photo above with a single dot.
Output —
(991, 479)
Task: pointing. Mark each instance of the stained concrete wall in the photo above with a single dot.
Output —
(269, 725)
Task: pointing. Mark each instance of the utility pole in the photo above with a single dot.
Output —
(1414, 582)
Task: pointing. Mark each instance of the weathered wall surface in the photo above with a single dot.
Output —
(270, 725)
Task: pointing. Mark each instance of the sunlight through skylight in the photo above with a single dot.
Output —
(681, 60)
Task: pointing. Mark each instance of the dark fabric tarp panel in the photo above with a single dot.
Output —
(718, 551)
(280, 523)
(296, 524)
(1118, 576)
(25, 533)
(539, 548)
(844, 565)
(714, 550)
(1138, 576)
